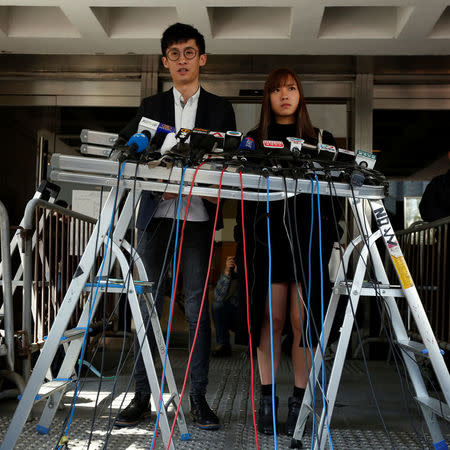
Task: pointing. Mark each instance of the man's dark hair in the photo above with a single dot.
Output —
(181, 32)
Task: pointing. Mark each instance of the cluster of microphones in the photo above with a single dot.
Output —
(158, 141)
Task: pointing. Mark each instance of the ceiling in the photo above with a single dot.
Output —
(287, 27)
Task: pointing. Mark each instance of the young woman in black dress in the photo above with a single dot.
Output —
(283, 115)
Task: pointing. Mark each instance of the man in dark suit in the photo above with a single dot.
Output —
(186, 105)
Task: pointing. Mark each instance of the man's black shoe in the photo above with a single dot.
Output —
(294, 405)
(265, 418)
(201, 414)
(137, 410)
(222, 350)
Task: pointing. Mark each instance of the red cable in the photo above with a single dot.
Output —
(205, 289)
(175, 287)
(248, 312)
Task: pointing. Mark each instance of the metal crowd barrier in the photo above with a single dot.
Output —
(425, 246)
(61, 241)
(51, 239)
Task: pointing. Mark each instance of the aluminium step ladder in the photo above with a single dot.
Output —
(53, 391)
(430, 406)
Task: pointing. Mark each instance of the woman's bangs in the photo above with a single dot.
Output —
(278, 79)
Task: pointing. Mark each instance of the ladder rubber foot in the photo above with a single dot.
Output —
(41, 429)
(185, 437)
(295, 443)
(442, 445)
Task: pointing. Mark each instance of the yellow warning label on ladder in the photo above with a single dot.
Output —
(403, 271)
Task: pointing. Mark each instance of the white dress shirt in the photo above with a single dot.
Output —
(185, 113)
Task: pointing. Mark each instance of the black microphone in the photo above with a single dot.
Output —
(232, 141)
(345, 155)
(153, 148)
(206, 143)
(157, 142)
(197, 136)
(326, 152)
(309, 150)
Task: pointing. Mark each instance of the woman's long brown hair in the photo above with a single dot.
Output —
(279, 77)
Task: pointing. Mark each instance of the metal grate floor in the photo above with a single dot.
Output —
(355, 423)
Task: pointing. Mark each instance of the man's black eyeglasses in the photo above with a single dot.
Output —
(174, 54)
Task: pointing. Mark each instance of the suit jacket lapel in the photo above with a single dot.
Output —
(168, 108)
(201, 117)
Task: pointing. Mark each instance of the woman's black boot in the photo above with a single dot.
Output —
(294, 405)
(265, 419)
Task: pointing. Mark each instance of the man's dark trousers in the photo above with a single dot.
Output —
(152, 245)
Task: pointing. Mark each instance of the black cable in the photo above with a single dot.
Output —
(374, 396)
(151, 312)
(83, 379)
(305, 339)
(389, 333)
(103, 336)
(80, 378)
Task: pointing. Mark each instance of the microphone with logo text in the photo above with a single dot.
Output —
(295, 146)
(154, 127)
(246, 147)
(273, 150)
(183, 135)
(219, 137)
(272, 145)
(326, 152)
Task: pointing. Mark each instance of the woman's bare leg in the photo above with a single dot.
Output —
(279, 299)
(298, 317)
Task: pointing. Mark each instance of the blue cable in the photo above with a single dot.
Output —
(83, 347)
(172, 297)
(309, 314)
(270, 313)
(322, 311)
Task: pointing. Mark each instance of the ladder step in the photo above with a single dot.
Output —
(72, 334)
(416, 347)
(14, 283)
(116, 285)
(439, 408)
(370, 289)
(50, 388)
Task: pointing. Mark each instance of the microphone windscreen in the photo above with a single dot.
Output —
(208, 143)
(232, 141)
(169, 142)
(140, 140)
(158, 141)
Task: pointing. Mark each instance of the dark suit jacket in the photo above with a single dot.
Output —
(213, 113)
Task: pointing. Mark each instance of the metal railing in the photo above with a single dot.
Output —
(60, 242)
(50, 242)
(425, 246)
